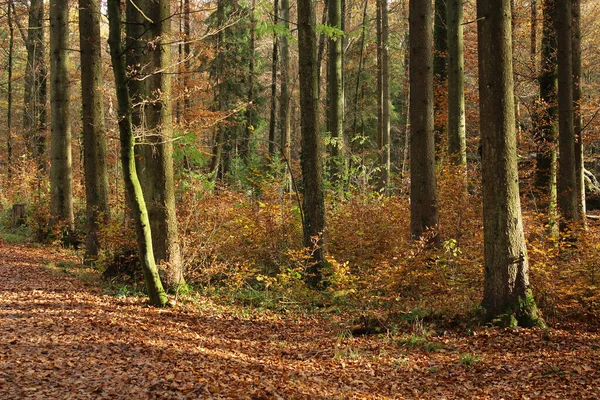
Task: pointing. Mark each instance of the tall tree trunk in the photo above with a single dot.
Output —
(94, 133)
(440, 70)
(533, 38)
(35, 85)
(457, 145)
(507, 296)
(140, 215)
(61, 171)
(250, 111)
(577, 120)
(284, 104)
(567, 183)
(440, 35)
(274, 61)
(383, 134)
(423, 204)
(312, 147)
(546, 116)
(361, 61)
(155, 156)
(11, 34)
(321, 48)
(335, 89)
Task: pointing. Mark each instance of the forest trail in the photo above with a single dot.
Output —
(63, 339)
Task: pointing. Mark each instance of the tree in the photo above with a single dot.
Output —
(312, 147)
(274, 62)
(335, 89)
(567, 185)
(11, 34)
(383, 114)
(457, 146)
(34, 120)
(61, 170)
(507, 296)
(423, 197)
(156, 292)
(284, 104)
(94, 141)
(577, 118)
(149, 30)
(546, 117)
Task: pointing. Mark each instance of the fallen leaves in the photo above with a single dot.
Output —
(60, 339)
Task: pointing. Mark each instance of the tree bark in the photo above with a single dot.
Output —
(61, 171)
(155, 154)
(156, 292)
(284, 105)
(577, 117)
(312, 147)
(34, 120)
(457, 144)
(507, 296)
(423, 196)
(94, 133)
(546, 117)
(250, 111)
(11, 34)
(567, 183)
(335, 100)
(274, 62)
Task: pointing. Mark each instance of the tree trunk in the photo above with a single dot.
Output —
(34, 120)
(507, 296)
(250, 111)
(11, 34)
(94, 133)
(423, 204)
(312, 147)
(546, 117)
(567, 183)
(335, 89)
(284, 105)
(577, 118)
(156, 292)
(457, 145)
(61, 172)
(440, 35)
(155, 155)
(274, 61)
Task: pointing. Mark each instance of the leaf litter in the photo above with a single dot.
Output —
(62, 338)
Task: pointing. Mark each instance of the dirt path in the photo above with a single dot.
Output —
(62, 340)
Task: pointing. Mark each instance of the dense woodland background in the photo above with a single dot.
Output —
(290, 194)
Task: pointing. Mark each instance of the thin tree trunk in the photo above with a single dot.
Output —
(61, 172)
(567, 184)
(94, 134)
(457, 145)
(312, 147)
(250, 111)
(507, 296)
(577, 120)
(34, 121)
(156, 292)
(11, 33)
(546, 116)
(335, 100)
(275, 60)
(423, 196)
(284, 104)
(322, 42)
(361, 62)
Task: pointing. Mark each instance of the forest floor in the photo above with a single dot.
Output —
(61, 337)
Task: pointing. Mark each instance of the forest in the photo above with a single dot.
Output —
(230, 198)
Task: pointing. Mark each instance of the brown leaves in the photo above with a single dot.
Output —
(61, 340)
